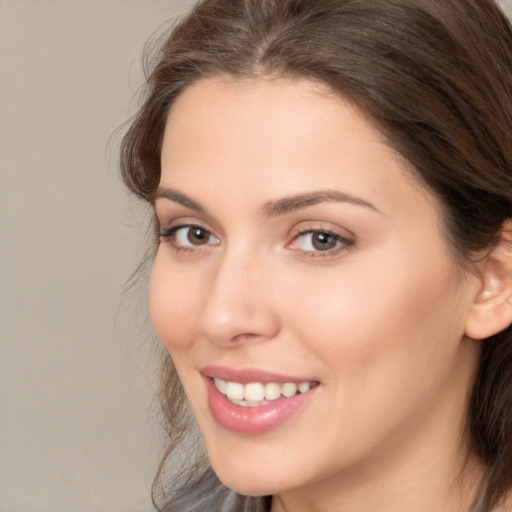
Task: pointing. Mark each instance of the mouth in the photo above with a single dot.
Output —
(253, 402)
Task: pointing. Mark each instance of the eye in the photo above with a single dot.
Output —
(189, 236)
(317, 241)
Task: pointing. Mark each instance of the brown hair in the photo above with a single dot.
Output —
(435, 75)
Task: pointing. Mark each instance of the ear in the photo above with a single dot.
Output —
(491, 310)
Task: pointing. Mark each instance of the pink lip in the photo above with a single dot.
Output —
(248, 375)
(252, 420)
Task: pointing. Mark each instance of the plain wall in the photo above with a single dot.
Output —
(75, 371)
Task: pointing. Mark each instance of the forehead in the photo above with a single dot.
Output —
(267, 137)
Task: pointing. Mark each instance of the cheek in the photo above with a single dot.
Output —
(173, 304)
(388, 321)
(387, 345)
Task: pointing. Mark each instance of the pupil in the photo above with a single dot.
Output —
(323, 241)
(197, 236)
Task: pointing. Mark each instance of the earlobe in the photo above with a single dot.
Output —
(491, 310)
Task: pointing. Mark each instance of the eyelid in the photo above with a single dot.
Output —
(166, 225)
(345, 242)
(320, 226)
(167, 235)
(174, 229)
(168, 214)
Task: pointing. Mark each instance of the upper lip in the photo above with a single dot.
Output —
(248, 375)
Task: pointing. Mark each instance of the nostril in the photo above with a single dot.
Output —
(248, 338)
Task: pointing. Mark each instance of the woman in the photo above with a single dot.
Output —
(332, 189)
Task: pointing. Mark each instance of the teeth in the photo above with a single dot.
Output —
(289, 389)
(254, 391)
(255, 394)
(249, 403)
(235, 390)
(304, 386)
(272, 391)
(221, 385)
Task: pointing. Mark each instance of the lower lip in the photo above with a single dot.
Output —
(253, 420)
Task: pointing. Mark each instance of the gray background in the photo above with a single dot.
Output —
(76, 370)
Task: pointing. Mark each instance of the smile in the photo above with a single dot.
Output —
(256, 394)
(253, 401)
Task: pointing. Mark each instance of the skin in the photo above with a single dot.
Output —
(379, 320)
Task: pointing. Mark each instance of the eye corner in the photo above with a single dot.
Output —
(320, 242)
(188, 237)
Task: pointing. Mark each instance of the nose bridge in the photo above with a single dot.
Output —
(237, 308)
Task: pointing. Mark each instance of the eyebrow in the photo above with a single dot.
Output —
(178, 197)
(276, 207)
(301, 201)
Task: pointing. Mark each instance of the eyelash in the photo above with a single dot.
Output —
(169, 236)
(342, 243)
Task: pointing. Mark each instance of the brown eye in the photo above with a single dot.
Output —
(189, 236)
(323, 241)
(197, 236)
(318, 242)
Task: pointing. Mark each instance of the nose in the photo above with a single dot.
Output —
(238, 308)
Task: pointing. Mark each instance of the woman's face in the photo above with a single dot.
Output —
(298, 254)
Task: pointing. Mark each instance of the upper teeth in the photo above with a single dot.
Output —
(257, 391)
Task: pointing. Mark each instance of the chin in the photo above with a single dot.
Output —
(250, 485)
(245, 477)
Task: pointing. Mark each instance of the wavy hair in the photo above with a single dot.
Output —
(435, 76)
